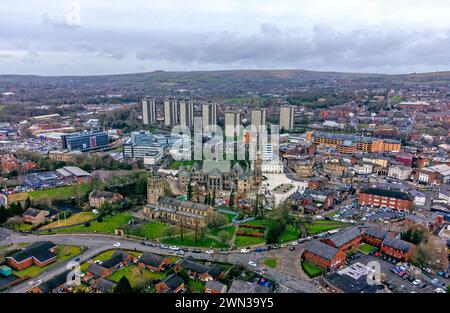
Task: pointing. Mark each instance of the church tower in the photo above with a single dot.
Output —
(155, 189)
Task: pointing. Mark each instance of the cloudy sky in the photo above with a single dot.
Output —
(63, 37)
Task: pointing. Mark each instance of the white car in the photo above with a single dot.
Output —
(117, 244)
(417, 282)
(209, 251)
(439, 290)
(174, 248)
(294, 243)
(252, 264)
(245, 251)
(283, 245)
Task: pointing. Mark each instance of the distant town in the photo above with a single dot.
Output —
(353, 196)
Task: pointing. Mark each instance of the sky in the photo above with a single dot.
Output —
(93, 37)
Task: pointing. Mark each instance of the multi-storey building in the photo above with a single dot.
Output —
(85, 141)
(259, 117)
(170, 112)
(287, 114)
(232, 120)
(209, 114)
(400, 172)
(351, 144)
(186, 113)
(393, 199)
(148, 111)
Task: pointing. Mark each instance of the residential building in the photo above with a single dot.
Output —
(232, 121)
(434, 175)
(397, 248)
(345, 240)
(209, 115)
(97, 198)
(171, 284)
(35, 216)
(352, 144)
(154, 262)
(170, 112)
(363, 168)
(287, 114)
(400, 172)
(374, 236)
(214, 286)
(186, 113)
(259, 117)
(386, 198)
(148, 111)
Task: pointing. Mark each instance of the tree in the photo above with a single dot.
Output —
(232, 199)
(203, 232)
(169, 231)
(224, 236)
(213, 200)
(215, 220)
(87, 224)
(27, 203)
(3, 214)
(123, 286)
(207, 199)
(189, 190)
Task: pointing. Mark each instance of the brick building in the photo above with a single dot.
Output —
(40, 253)
(374, 236)
(396, 200)
(397, 248)
(323, 255)
(345, 240)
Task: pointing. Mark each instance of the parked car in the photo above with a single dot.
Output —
(117, 244)
(181, 252)
(196, 251)
(294, 243)
(244, 251)
(252, 264)
(174, 248)
(439, 290)
(163, 246)
(417, 282)
(224, 252)
(209, 251)
(260, 250)
(427, 270)
(292, 248)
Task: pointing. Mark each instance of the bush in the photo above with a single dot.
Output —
(87, 224)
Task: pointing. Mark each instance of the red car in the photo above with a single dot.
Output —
(377, 254)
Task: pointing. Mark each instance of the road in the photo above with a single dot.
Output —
(288, 279)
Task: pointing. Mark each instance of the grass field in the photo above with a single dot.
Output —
(311, 270)
(271, 262)
(74, 219)
(290, 234)
(151, 230)
(108, 225)
(366, 248)
(244, 241)
(319, 226)
(229, 229)
(176, 164)
(195, 286)
(135, 275)
(59, 193)
(64, 252)
(189, 241)
(22, 227)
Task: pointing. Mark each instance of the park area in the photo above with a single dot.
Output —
(59, 193)
(271, 262)
(320, 226)
(74, 219)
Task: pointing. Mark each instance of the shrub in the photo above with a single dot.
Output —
(87, 224)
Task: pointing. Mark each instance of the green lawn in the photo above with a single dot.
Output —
(108, 225)
(320, 226)
(59, 193)
(245, 241)
(65, 252)
(271, 262)
(189, 241)
(290, 234)
(176, 164)
(152, 230)
(311, 270)
(229, 229)
(229, 217)
(366, 248)
(73, 219)
(22, 227)
(135, 274)
(195, 286)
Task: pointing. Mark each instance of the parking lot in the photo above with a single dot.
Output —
(399, 284)
(353, 212)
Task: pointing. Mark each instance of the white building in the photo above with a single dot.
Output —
(363, 169)
(153, 157)
(444, 194)
(399, 172)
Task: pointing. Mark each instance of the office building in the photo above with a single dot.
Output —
(232, 120)
(287, 113)
(209, 114)
(85, 141)
(141, 138)
(170, 112)
(186, 113)
(148, 111)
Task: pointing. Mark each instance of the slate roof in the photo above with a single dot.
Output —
(104, 285)
(116, 258)
(173, 281)
(322, 250)
(215, 285)
(96, 269)
(190, 265)
(387, 193)
(397, 244)
(376, 232)
(341, 238)
(172, 202)
(39, 250)
(54, 282)
(215, 271)
(32, 212)
(151, 259)
(102, 194)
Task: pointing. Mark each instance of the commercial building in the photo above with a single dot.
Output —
(287, 114)
(209, 114)
(40, 253)
(323, 255)
(85, 141)
(348, 144)
(186, 113)
(400, 172)
(434, 175)
(148, 111)
(393, 199)
(153, 157)
(170, 112)
(232, 120)
(345, 240)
